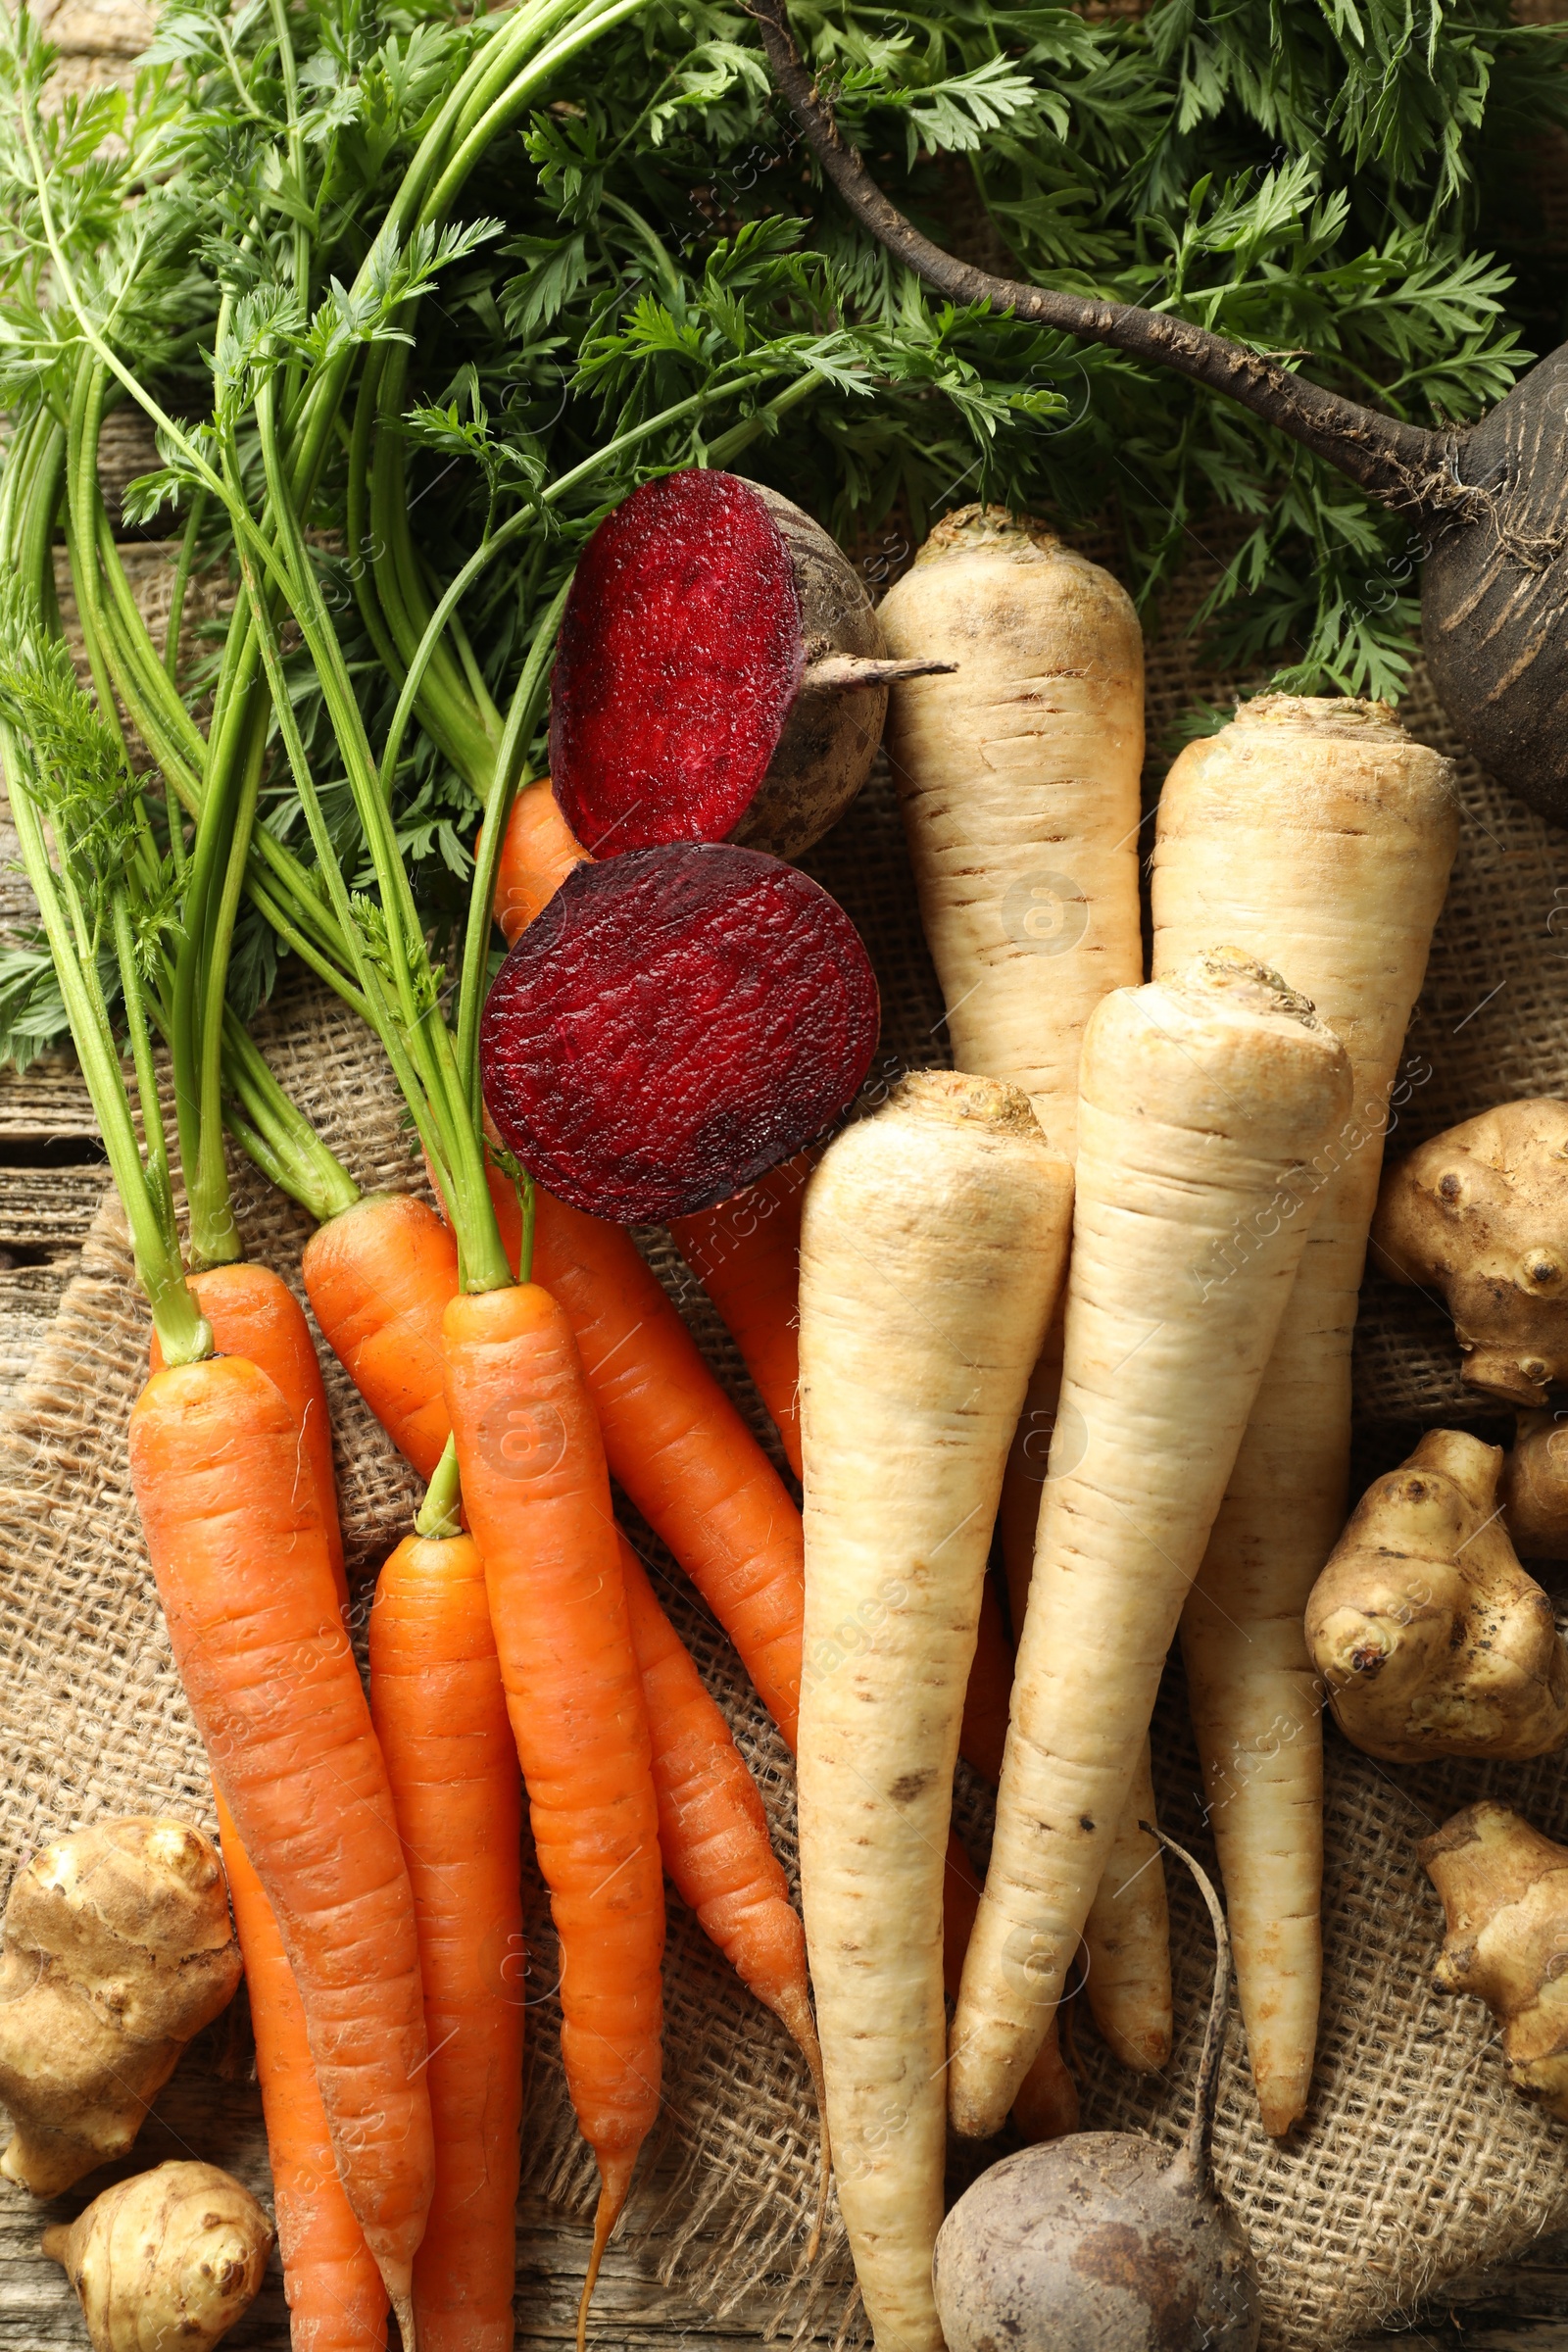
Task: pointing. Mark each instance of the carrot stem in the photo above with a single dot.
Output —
(521, 719)
(438, 1514)
(275, 1132)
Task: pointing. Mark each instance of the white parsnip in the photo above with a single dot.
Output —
(1318, 836)
(1202, 1102)
(932, 1248)
(1018, 777)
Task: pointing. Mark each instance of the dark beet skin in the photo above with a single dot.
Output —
(680, 655)
(674, 1023)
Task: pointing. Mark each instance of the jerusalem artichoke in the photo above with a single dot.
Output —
(1481, 1214)
(117, 1949)
(1535, 1488)
(1431, 1637)
(170, 2257)
(1504, 1887)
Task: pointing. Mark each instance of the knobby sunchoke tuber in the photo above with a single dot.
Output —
(1535, 1488)
(1431, 1637)
(170, 2257)
(1481, 1214)
(117, 1949)
(1504, 1887)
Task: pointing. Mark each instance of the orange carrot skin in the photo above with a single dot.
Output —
(336, 2299)
(538, 852)
(255, 1314)
(747, 1256)
(712, 1830)
(440, 1713)
(245, 1578)
(675, 1443)
(537, 1495)
(379, 1278)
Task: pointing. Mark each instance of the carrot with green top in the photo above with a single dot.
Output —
(252, 1312)
(238, 1539)
(337, 2299)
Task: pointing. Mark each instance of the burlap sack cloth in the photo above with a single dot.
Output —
(1416, 2160)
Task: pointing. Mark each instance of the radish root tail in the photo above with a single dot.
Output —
(1195, 2155)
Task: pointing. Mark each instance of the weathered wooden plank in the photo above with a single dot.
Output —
(48, 1210)
(45, 1102)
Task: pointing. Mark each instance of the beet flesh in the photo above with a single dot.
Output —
(689, 699)
(675, 1022)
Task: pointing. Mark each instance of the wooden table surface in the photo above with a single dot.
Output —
(52, 1178)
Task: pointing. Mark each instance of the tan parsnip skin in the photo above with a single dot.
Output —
(1202, 1101)
(1018, 779)
(932, 1242)
(1316, 835)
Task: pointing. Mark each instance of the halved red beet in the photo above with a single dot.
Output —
(721, 674)
(674, 1023)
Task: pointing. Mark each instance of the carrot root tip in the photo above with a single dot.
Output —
(794, 2012)
(615, 2179)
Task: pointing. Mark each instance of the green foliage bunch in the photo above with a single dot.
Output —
(646, 271)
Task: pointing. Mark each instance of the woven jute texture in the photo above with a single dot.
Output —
(1415, 2162)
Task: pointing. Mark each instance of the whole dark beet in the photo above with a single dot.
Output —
(721, 674)
(1097, 2243)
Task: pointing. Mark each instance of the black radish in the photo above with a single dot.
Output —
(1488, 504)
(1095, 2244)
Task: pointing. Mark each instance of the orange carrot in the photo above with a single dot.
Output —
(336, 2299)
(538, 852)
(747, 1256)
(378, 1277)
(537, 1494)
(245, 1575)
(440, 1713)
(255, 1314)
(675, 1443)
(713, 1836)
